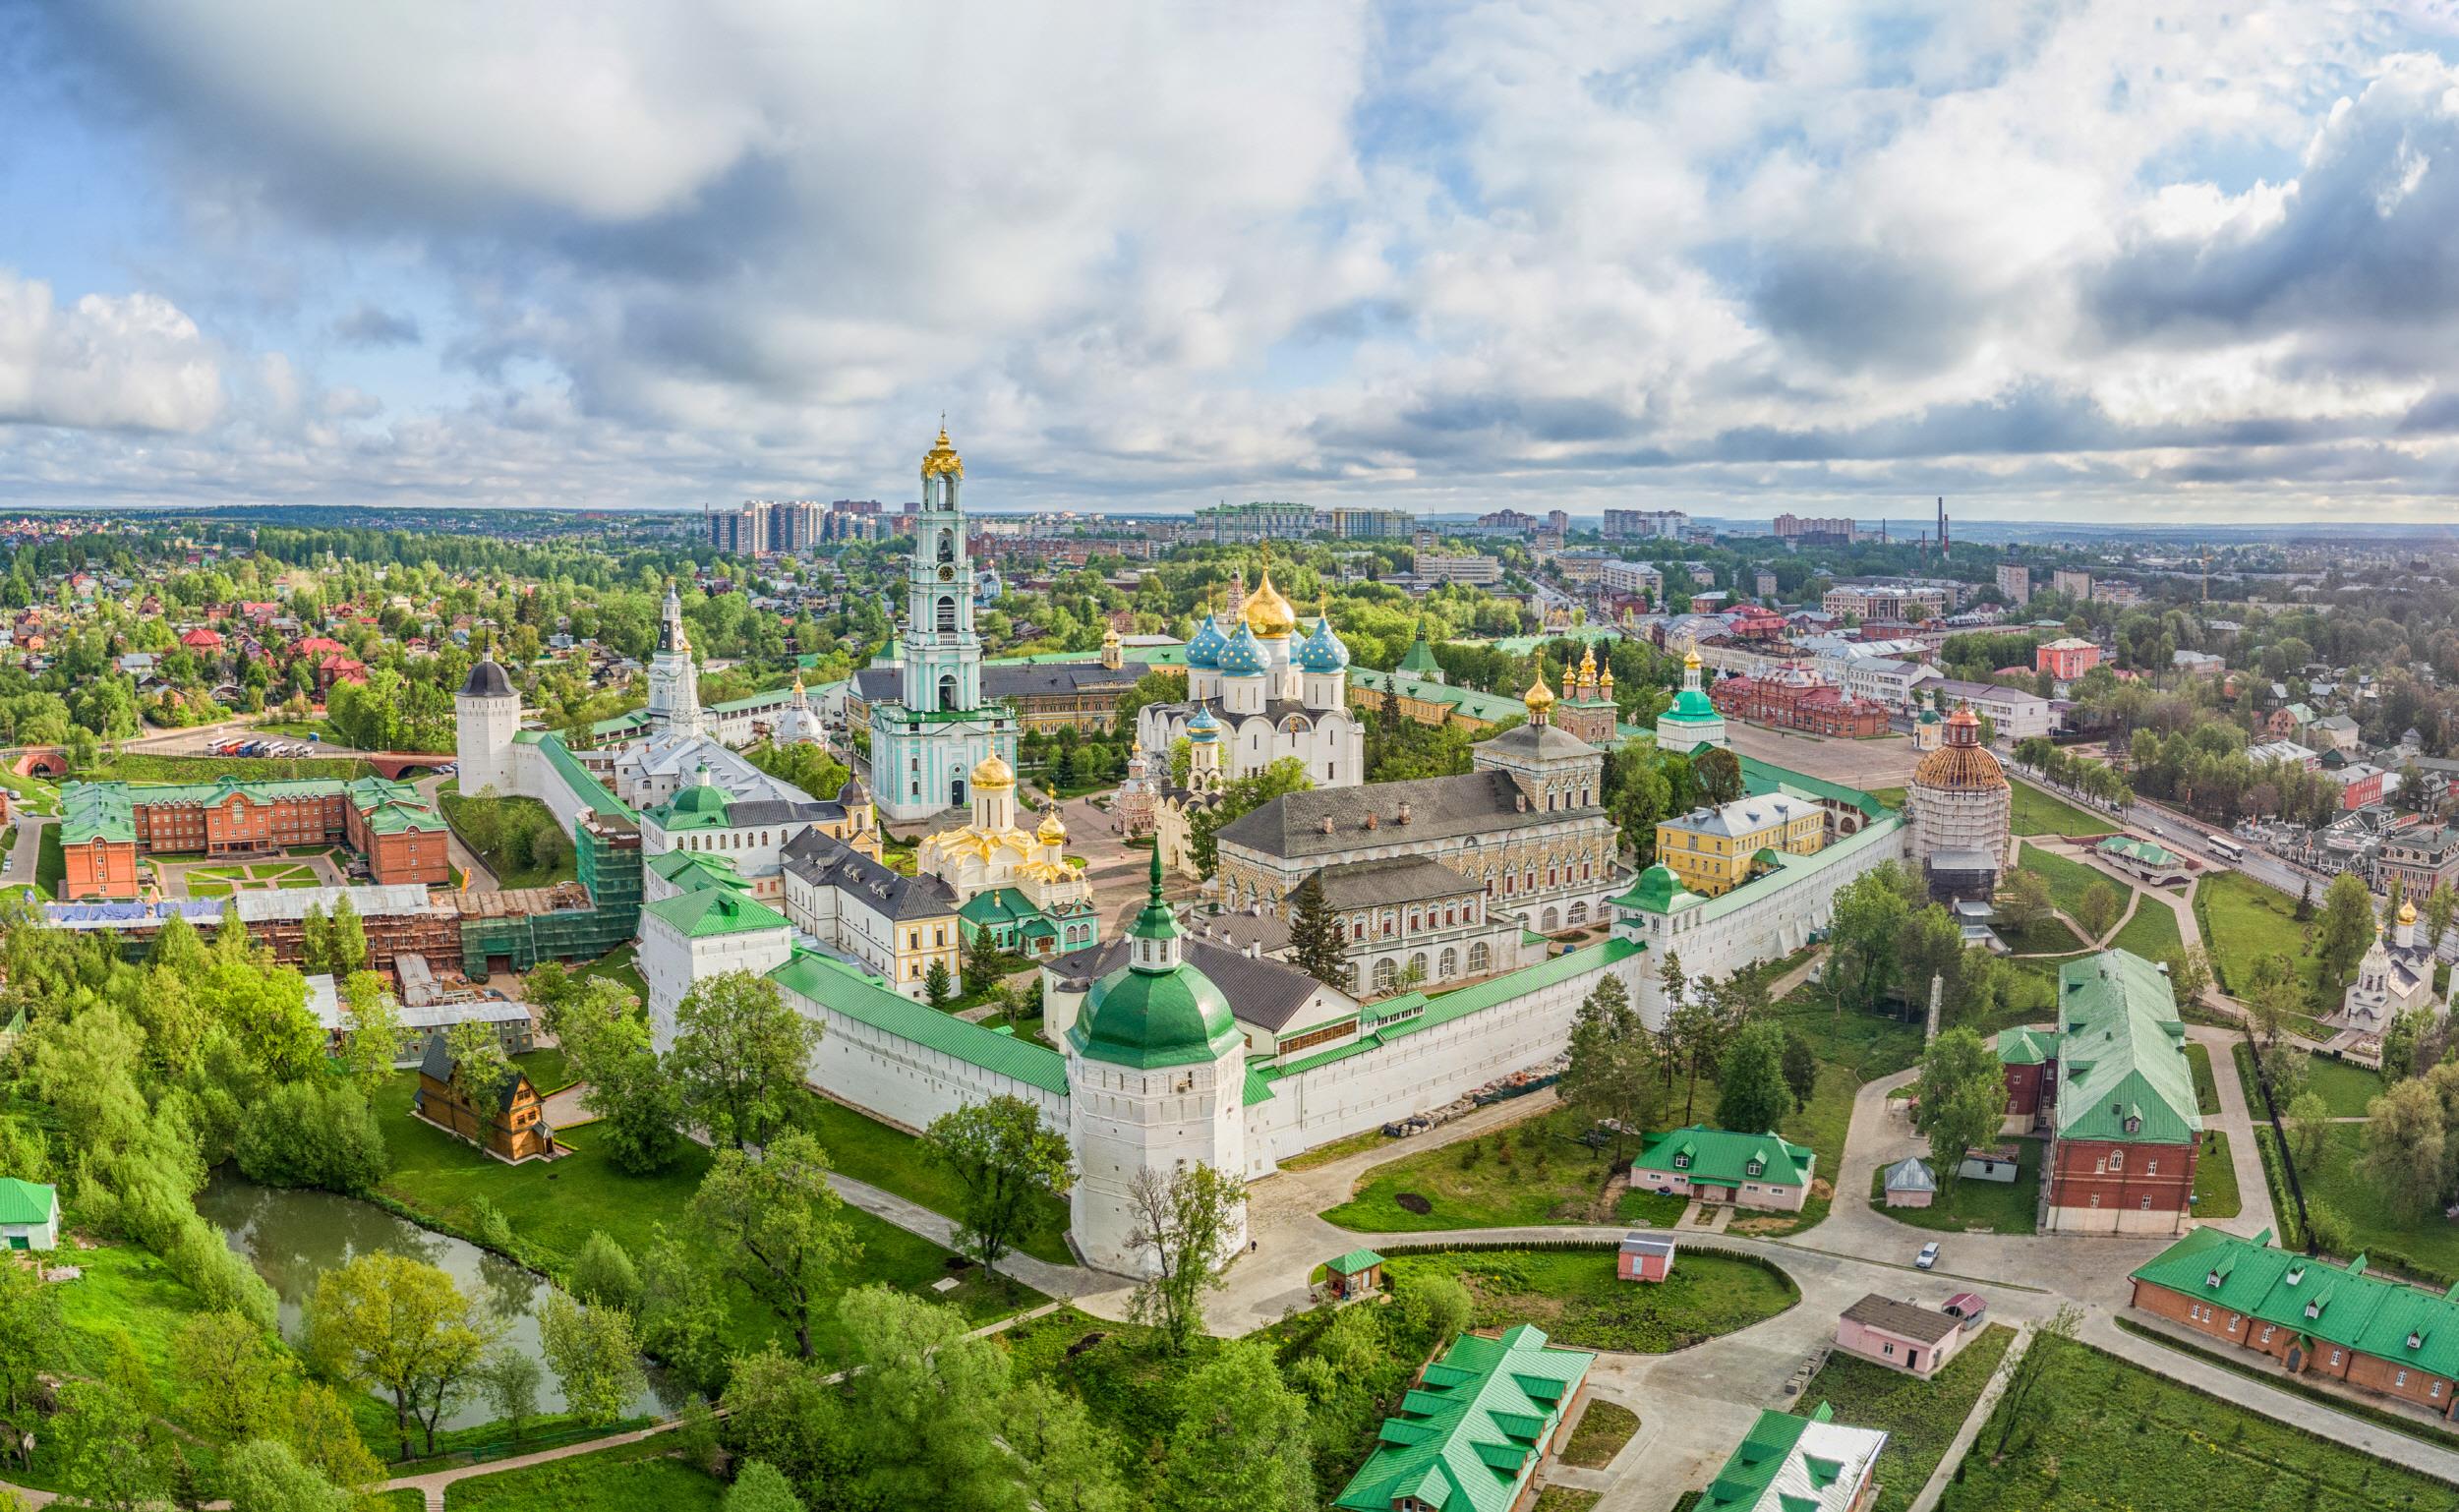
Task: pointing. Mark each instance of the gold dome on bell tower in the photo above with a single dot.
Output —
(942, 459)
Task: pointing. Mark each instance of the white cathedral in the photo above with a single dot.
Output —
(1270, 693)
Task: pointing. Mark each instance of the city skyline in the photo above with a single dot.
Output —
(2074, 263)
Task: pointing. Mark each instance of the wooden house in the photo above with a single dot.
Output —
(507, 1121)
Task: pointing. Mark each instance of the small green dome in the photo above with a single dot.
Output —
(1152, 1019)
(699, 806)
(1656, 889)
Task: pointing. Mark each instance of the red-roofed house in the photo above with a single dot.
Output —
(202, 639)
(339, 667)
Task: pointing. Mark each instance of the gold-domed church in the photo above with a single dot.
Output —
(1272, 692)
(1015, 883)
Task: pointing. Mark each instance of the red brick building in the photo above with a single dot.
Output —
(2312, 1316)
(107, 826)
(1800, 703)
(2112, 1089)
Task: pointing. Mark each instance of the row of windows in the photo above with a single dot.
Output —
(1387, 977)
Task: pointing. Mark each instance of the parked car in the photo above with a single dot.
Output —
(1927, 1259)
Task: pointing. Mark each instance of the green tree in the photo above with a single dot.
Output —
(1694, 1038)
(937, 988)
(1720, 773)
(228, 1372)
(264, 1474)
(779, 1227)
(2404, 1146)
(637, 1103)
(316, 941)
(1753, 1098)
(508, 1378)
(594, 1353)
(1007, 1161)
(1242, 1438)
(392, 1324)
(603, 1273)
(1865, 919)
(2438, 906)
(2309, 1126)
(682, 1321)
(1183, 1223)
(1611, 1073)
(2345, 930)
(982, 960)
(33, 1338)
(1318, 941)
(375, 1038)
(1071, 1465)
(760, 1487)
(1962, 1099)
(2098, 909)
(738, 1057)
(346, 937)
(2022, 900)
(1801, 1067)
(928, 1393)
(110, 1453)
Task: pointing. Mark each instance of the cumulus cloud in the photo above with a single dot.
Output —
(130, 362)
(1734, 256)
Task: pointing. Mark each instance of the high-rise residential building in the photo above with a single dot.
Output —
(765, 525)
(743, 532)
(2074, 583)
(1244, 524)
(1808, 530)
(2016, 582)
(1644, 524)
(1373, 524)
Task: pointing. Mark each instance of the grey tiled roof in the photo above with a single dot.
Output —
(1542, 742)
(1396, 879)
(823, 860)
(1440, 808)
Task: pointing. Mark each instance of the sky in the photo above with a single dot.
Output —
(2099, 262)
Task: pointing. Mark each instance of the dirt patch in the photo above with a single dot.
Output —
(1414, 1204)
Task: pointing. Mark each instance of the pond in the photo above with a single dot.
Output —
(292, 1238)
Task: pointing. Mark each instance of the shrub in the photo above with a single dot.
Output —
(316, 1132)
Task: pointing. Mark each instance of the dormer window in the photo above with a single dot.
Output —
(2295, 1273)
(1754, 1167)
(2416, 1338)
(1682, 1162)
(2214, 1279)
(2313, 1308)
(2133, 1125)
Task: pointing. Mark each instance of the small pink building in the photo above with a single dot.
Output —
(1645, 1258)
(1900, 1335)
(1909, 1184)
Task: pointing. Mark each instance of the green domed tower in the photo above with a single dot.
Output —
(1156, 1086)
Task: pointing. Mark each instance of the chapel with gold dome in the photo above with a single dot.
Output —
(934, 726)
(1018, 884)
(1277, 688)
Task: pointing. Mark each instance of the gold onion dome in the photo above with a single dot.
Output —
(1538, 697)
(941, 458)
(991, 771)
(1051, 830)
(1690, 660)
(1268, 615)
(2407, 910)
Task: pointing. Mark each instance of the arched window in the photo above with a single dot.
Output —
(1578, 914)
(1448, 965)
(1479, 959)
(1417, 966)
(947, 613)
(946, 546)
(947, 690)
(1384, 976)
(1550, 920)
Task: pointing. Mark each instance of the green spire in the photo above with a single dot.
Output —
(1156, 921)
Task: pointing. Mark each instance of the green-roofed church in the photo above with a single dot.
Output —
(1156, 1077)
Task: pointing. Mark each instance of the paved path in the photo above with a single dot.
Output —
(1945, 1471)
(26, 849)
(460, 856)
(2236, 1119)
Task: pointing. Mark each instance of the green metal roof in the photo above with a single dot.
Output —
(713, 911)
(2122, 1054)
(1163, 1014)
(1723, 1157)
(1472, 1431)
(862, 998)
(584, 785)
(998, 905)
(1420, 661)
(1492, 707)
(1353, 1262)
(692, 870)
(23, 1202)
(2344, 1304)
(1750, 1470)
(2026, 1047)
(2142, 850)
(90, 811)
(1657, 891)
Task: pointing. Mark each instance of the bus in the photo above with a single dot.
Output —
(2225, 848)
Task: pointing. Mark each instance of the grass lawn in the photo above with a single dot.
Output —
(1893, 797)
(1576, 1298)
(51, 863)
(2346, 1089)
(1565, 1498)
(2206, 1091)
(1920, 1416)
(2243, 921)
(2050, 936)
(1972, 1206)
(554, 1206)
(616, 1480)
(137, 767)
(2068, 880)
(2099, 1434)
(2152, 932)
(2039, 813)
(1602, 1430)
(2215, 1178)
(507, 824)
(869, 1150)
(1338, 1149)
(2408, 1239)
(1534, 1171)
(617, 965)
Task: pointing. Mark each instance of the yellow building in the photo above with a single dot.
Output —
(1713, 850)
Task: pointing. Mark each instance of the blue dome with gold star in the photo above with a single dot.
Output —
(1323, 652)
(1243, 657)
(1207, 648)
